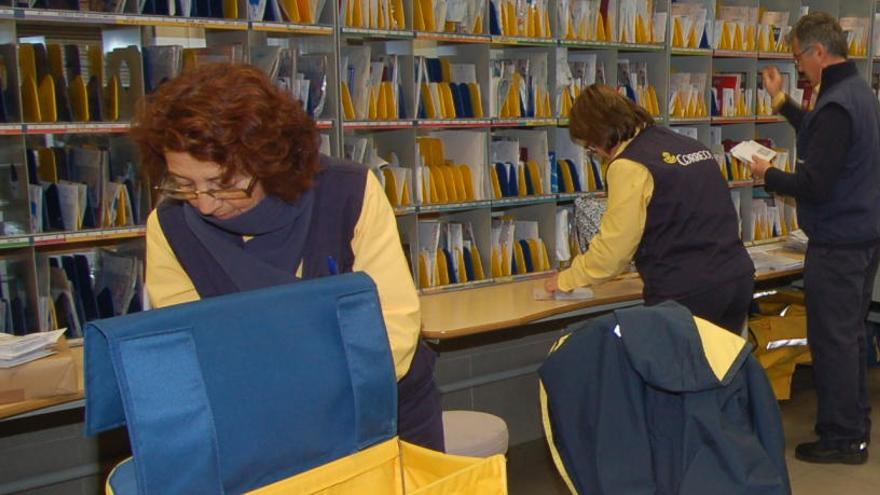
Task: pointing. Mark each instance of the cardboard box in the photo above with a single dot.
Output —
(46, 377)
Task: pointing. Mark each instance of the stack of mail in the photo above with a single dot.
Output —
(17, 350)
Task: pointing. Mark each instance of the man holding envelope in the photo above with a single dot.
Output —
(837, 187)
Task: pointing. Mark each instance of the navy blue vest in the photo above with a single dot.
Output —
(852, 214)
(339, 188)
(691, 239)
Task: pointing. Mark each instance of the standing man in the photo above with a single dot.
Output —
(837, 188)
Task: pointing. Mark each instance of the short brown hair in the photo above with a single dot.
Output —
(233, 115)
(823, 29)
(602, 117)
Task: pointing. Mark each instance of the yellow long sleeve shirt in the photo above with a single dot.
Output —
(630, 187)
(377, 251)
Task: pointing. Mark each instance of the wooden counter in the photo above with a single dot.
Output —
(447, 315)
(16, 408)
(466, 312)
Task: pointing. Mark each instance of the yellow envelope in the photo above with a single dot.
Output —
(230, 9)
(347, 104)
(30, 100)
(677, 33)
(442, 268)
(567, 179)
(496, 186)
(111, 107)
(479, 274)
(399, 14)
(424, 281)
(438, 179)
(47, 168)
(428, 14)
(56, 61)
(46, 93)
(304, 9)
(496, 262)
(467, 180)
(391, 187)
(27, 61)
(418, 17)
(520, 258)
(535, 176)
(79, 99)
(462, 268)
(476, 100)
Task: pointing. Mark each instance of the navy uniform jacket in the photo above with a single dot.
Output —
(655, 401)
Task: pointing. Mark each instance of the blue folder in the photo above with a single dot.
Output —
(235, 392)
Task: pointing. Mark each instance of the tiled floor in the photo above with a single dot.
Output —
(531, 471)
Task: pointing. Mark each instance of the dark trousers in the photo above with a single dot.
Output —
(838, 284)
(726, 305)
(419, 416)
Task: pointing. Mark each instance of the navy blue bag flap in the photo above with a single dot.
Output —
(231, 393)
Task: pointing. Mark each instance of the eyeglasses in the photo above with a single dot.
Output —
(797, 56)
(172, 190)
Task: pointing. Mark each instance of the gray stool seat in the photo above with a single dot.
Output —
(474, 433)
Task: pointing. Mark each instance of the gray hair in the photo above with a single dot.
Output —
(823, 29)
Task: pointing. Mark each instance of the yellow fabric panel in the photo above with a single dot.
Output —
(721, 347)
(398, 468)
(367, 471)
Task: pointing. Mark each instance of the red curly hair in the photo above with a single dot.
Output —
(232, 115)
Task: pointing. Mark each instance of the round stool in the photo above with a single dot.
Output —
(474, 433)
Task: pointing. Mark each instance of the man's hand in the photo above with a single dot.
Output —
(551, 285)
(759, 167)
(772, 80)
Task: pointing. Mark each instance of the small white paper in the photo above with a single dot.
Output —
(746, 149)
(541, 294)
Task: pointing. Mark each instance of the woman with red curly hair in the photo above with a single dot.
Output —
(249, 202)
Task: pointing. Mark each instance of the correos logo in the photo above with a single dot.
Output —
(686, 159)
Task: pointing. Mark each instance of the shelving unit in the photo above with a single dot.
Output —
(22, 248)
